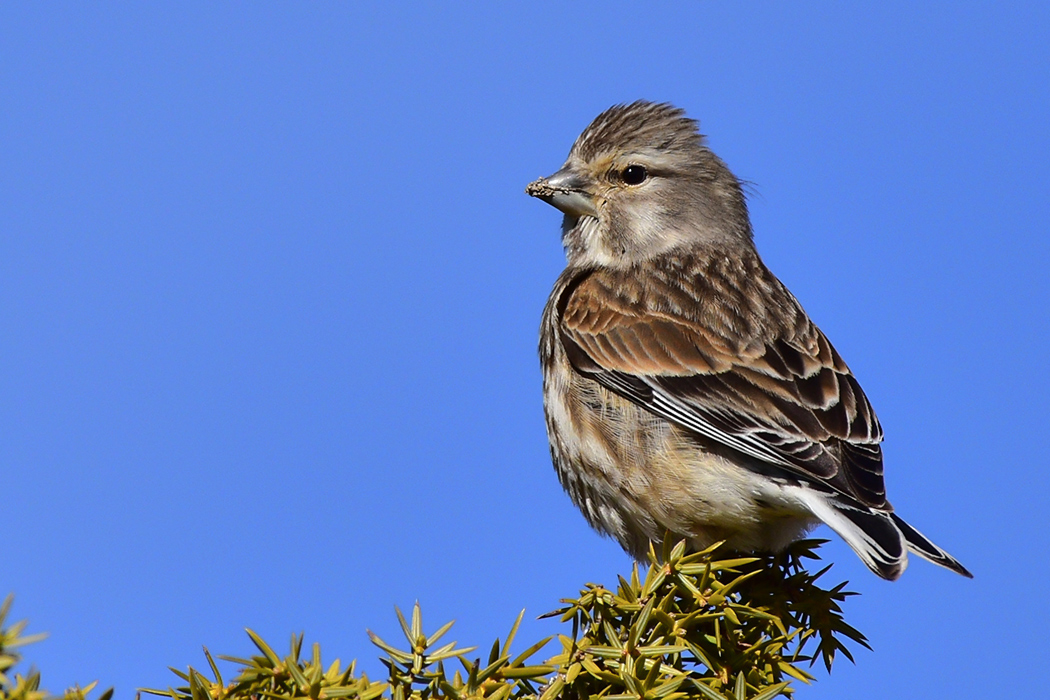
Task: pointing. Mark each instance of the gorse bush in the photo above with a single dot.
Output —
(698, 625)
(26, 686)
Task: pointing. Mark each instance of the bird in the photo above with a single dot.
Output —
(686, 391)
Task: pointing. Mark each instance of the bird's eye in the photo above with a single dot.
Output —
(634, 175)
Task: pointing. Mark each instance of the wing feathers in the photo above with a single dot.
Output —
(740, 365)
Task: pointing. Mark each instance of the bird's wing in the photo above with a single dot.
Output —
(740, 364)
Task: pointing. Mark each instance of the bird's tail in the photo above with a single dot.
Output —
(917, 542)
(881, 539)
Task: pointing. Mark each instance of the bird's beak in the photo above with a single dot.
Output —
(565, 190)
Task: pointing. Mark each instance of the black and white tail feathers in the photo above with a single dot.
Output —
(917, 542)
(881, 539)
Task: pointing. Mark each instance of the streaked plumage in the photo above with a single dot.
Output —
(685, 388)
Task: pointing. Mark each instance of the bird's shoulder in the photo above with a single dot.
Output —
(705, 311)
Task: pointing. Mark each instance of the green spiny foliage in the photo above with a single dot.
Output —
(696, 626)
(27, 687)
(692, 626)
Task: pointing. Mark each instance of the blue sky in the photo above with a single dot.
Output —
(270, 289)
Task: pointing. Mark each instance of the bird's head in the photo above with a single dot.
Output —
(640, 181)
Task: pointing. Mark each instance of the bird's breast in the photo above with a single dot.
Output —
(636, 476)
